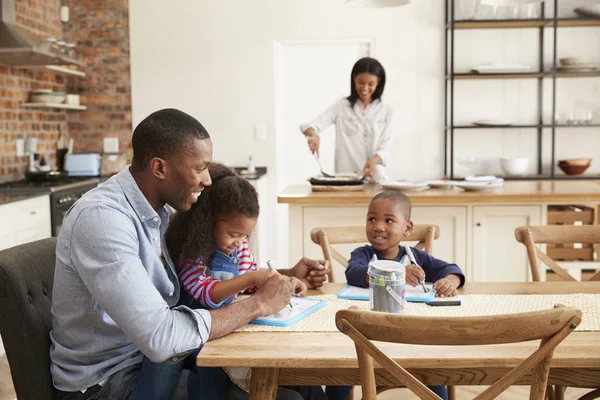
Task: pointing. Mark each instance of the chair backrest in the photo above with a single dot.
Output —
(551, 326)
(26, 281)
(326, 237)
(555, 234)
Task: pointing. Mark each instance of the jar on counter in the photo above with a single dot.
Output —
(70, 50)
(62, 47)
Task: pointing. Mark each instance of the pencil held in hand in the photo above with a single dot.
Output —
(274, 270)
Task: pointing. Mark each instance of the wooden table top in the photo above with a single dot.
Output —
(518, 192)
(331, 350)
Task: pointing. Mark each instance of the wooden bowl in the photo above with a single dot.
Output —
(574, 167)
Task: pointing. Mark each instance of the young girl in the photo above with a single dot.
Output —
(363, 123)
(209, 244)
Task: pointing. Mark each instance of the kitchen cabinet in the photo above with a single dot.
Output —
(22, 222)
(450, 245)
(497, 256)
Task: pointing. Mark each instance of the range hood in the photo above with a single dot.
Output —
(20, 47)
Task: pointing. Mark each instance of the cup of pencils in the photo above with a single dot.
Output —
(387, 280)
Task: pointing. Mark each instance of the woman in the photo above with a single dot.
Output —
(363, 124)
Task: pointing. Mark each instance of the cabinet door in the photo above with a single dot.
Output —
(497, 256)
(451, 246)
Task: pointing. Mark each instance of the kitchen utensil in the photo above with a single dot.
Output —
(574, 166)
(514, 165)
(441, 184)
(336, 181)
(321, 167)
(43, 176)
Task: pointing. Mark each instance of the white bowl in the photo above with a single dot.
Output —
(514, 165)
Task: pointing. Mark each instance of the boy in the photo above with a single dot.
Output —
(388, 223)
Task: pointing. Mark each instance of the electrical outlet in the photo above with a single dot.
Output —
(20, 147)
(260, 132)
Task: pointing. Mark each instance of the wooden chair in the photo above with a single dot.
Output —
(326, 237)
(555, 234)
(551, 326)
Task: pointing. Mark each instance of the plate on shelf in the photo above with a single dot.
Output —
(501, 68)
(441, 184)
(480, 186)
(404, 186)
(578, 67)
(492, 122)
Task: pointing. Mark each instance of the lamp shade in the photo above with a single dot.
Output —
(377, 3)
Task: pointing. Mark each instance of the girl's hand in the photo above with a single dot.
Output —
(414, 273)
(314, 140)
(300, 288)
(446, 287)
(260, 277)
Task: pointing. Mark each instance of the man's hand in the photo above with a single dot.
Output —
(300, 288)
(446, 287)
(274, 295)
(312, 272)
(260, 277)
(369, 168)
(414, 273)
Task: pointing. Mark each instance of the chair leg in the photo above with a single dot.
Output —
(550, 392)
(594, 394)
(559, 392)
(451, 393)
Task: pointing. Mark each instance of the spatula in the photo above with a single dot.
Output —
(321, 167)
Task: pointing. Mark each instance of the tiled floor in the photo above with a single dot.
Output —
(7, 391)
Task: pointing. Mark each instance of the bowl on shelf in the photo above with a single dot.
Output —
(514, 165)
(52, 97)
(576, 166)
(573, 61)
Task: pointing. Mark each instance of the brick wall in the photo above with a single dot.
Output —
(101, 31)
(41, 17)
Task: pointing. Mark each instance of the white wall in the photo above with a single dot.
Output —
(215, 60)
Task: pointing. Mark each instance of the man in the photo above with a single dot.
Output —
(115, 283)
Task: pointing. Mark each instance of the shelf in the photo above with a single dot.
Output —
(524, 23)
(58, 69)
(525, 75)
(55, 105)
(524, 126)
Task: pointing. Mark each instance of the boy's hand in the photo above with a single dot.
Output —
(300, 288)
(414, 273)
(260, 277)
(446, 287)
(312, 272)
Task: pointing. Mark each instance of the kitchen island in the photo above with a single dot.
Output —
(476, 228)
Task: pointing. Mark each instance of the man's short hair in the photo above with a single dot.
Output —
(399, 198)
(165, 133)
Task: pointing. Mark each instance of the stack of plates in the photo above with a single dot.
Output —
(501, 68)
(486, 183)
(404, 186)
(576, 64)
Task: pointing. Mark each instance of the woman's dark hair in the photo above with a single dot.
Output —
(190, 234)
(370, 66)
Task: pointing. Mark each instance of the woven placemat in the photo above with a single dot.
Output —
(323, 320)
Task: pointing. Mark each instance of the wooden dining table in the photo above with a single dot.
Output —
(329, 358)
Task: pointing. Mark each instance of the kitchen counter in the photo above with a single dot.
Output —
(475, 228)
(6, 198)
(518, 192)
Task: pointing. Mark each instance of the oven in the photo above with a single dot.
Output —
(62, 198)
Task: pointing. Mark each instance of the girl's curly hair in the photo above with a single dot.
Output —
(190, 235)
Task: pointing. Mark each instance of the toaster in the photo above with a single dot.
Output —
(82, 164)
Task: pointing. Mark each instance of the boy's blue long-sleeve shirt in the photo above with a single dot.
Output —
(434, 268)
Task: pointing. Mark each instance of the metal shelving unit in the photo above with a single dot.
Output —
(451, 76)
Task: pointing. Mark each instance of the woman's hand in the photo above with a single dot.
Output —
(300, 288)
(369, 168)
(314, 140)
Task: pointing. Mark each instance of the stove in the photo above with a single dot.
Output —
(63, 194)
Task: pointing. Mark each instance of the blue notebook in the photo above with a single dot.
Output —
(413, 294)
(301, 308)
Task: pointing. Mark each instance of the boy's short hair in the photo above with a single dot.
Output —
(397, 197)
